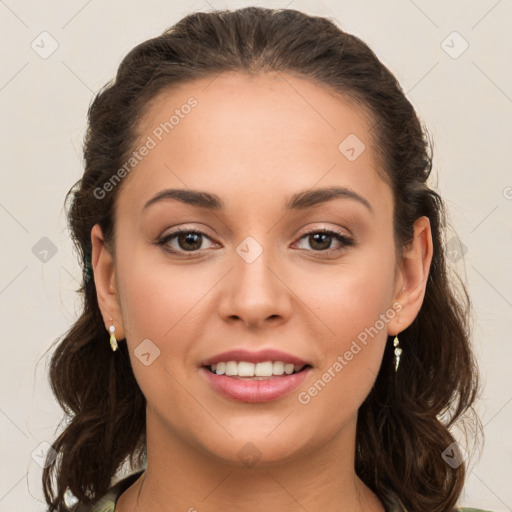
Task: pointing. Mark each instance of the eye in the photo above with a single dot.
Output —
(190, 241)
(186, 240)
(320, 240)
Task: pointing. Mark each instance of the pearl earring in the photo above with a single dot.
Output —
(398, 352)
(113, 341)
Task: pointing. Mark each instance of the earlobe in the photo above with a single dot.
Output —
(413, 275)
(102, 262)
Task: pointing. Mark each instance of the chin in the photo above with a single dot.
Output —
(256, 451)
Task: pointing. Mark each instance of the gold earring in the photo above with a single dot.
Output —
(113, 341)
(398, 352)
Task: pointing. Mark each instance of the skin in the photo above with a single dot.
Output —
(255, 141)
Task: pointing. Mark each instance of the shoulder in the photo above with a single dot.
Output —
(107, 502)
(472, 510)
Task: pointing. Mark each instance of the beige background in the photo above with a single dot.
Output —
(464, 97)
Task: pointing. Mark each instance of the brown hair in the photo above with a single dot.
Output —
(403, 424)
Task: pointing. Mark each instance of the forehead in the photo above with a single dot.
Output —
(277, 109)
(236, 132)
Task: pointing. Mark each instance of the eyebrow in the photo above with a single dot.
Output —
(299, 201)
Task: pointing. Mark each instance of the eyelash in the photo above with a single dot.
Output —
(341, 237)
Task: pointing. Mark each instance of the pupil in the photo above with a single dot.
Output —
(322, 237)
(184, 239)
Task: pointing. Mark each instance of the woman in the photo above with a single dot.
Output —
(268, 322)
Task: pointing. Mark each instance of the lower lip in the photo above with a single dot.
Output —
(255, 391)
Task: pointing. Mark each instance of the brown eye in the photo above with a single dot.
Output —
(183, 240)
(189, 241)
(320, 241)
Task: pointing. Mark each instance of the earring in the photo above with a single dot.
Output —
(113, 341)
(398, 352)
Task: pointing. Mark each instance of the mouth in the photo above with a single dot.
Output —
(254, 377)
(265, 370)
(246, 384)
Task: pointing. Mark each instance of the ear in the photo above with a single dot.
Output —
(102, 262)
(412, 277)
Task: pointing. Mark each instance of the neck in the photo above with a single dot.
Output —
(180, 477)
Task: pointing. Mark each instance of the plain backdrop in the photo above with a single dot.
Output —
(452, 59)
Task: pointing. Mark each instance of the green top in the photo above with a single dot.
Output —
(108, 502)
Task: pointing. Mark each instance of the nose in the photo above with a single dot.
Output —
(255, 292)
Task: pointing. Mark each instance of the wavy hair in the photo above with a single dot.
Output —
(404, 423)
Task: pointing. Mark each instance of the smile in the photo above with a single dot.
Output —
(254, 389)
(247, 369)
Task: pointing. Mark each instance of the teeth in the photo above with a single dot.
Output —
(231, 368)
(263, 369)
(245, 369)
(277, 368)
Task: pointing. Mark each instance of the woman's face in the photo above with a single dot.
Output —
(260, 276)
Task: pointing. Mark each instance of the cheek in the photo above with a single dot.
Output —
(163, 303)
(350, 298)
(157, 333)
(159, 298)
(354, 305)
(351, 358)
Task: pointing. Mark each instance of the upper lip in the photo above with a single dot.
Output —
(260, 356)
